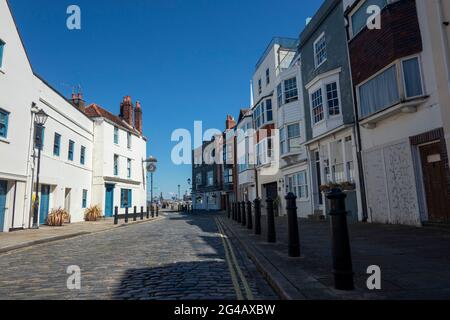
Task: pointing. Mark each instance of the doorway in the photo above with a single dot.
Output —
(435, 182)
(3, 191)
(44, 204)
(109, 200)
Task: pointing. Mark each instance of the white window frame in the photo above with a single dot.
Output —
(312, 107)
(401, 86)
(295, 187)
(419, 61)
(338, 97)
(293, 98)
(319, 38)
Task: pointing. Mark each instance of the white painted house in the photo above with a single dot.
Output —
(88, 156)
(17, 93)
(119, 151)
(292, 131)
(276, 58)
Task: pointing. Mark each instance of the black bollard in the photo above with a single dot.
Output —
(126, 215)
(134, 213)
(239, 217)
(228, 210)
(233, 211)
(271, 235)
(257, 203)
(142, 213)
(116, 215)
(293, 237)
(244, 215)
(341, 252)
(157, 211)
(153, 211)
(148, 212)
(249, 216)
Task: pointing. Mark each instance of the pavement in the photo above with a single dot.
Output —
(185, 257)
(10, 241)
(414, 262)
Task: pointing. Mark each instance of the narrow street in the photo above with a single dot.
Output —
(177, 257)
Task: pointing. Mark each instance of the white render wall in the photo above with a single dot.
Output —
(16, 96)
(58, 171)
(105, 149)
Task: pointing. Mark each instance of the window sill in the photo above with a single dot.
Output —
(4, 140)
(409, 106)
(319, 65)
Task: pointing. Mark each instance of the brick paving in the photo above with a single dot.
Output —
(414, 262)
(176, 257)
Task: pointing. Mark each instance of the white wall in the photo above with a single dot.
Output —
(16, 96)
(58, 171)
(105, 149)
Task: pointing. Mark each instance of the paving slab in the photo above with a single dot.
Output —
(414, 262)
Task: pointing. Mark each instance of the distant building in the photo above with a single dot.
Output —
(207, 176)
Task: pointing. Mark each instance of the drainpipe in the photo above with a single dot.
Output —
(30, 167)
(357, 133)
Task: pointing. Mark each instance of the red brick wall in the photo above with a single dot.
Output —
(399, 36)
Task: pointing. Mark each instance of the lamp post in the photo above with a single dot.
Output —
(179, 195)
(151, 167)
(40, 118)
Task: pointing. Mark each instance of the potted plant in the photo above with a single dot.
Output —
(57, 217)
(93, 213)
(348, 186)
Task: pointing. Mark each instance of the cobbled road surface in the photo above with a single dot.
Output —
(176, 257)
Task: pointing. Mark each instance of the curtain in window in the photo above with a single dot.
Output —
(379, 93)
(413, 82)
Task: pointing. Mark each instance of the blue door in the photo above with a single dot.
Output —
(45, 203)
(3, 186)
(109, 200)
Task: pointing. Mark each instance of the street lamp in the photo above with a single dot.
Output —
(179, 195)
(40, 118)
(151, 167)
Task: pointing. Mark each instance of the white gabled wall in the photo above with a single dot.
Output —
(16, 96)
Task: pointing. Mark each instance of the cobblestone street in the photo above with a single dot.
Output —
(177, 257)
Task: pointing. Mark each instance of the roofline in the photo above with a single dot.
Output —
(325, 9)
(58, 93)
(18, 32)
(270, 46)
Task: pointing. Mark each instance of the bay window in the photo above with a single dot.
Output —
(298, 185)
(263, 113)
(264, 152)
(386, 89)
(290, 138)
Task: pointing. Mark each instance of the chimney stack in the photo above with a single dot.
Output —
(230, 123)
(138, 117)
(77, 100)
(126, 110)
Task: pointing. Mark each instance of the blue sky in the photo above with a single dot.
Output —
(185, 60)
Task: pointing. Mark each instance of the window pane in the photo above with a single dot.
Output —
(290, 90)
(320, 51)
(317, 106)
(379, 93)
(2, 46)
(360, 17)
(413, 82)
(333, 99)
